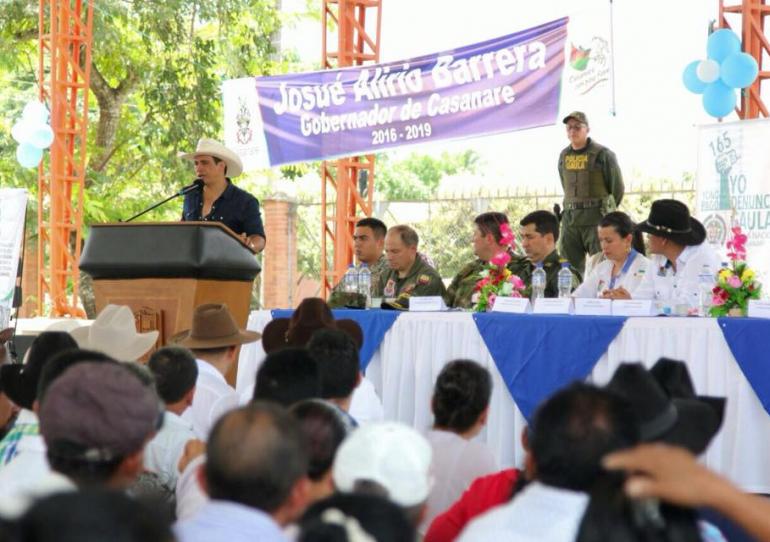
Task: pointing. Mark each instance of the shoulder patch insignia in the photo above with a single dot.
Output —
(423, 279)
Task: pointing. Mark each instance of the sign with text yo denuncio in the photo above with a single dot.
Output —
(504, 84)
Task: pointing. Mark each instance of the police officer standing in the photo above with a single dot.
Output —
(593, 187)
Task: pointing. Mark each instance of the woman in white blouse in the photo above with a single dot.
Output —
(624, 264)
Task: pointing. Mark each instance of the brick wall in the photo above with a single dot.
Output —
(279, 262)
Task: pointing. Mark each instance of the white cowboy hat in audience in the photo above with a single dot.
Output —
(212, 147)
(114, 333)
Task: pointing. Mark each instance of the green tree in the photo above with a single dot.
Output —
(417, 177)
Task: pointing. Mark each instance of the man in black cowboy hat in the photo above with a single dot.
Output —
(679, 255)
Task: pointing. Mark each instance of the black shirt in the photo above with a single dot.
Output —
(235, 208)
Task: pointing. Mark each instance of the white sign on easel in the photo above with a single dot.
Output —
(13, 206)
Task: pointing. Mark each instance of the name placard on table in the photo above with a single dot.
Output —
(430, 303)
(593, 306)
(759, 308)
(517, 305)
(553, 305)
(632, 307)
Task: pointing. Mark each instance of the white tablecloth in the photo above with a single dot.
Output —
(415, 349)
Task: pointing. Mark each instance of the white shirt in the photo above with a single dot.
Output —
(662, 283)
(365, 406)
(190, 496)
(539, 513)
(600, 277)
(162, 453)
(457, 461)
(213, 397)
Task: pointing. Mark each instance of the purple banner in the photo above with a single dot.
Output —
(500, 85)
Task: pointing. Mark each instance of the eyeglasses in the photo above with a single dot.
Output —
(575, 127)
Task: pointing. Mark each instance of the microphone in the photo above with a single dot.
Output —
(196, 185)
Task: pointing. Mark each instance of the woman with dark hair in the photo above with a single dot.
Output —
(20, 381)
(460, 405)
(624, 263)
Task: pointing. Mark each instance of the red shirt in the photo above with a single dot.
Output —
(484, 493)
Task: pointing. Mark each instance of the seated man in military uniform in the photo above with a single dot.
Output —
(368, 245)
(409, 275)
(486, 244)
(539, 234)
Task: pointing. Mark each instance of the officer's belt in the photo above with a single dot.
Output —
(586, 204)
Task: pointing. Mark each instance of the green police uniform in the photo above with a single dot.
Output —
(461, 290)
(551, 265)
(593, 187)
(339, 298)
(421, 280)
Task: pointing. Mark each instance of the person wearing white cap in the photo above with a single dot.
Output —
(114, 333)
(388, 459)
(220, 200)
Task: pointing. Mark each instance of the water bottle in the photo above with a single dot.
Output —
(538, 283)
(350, 280)
(365, 284)
(705, 286)
(565, 280)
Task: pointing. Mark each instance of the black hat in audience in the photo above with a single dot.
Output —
(690, 422)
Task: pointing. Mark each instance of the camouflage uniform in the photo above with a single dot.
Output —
(593, 187)
(461, 290)
(339, 299)
(551, 264)
(421, 280)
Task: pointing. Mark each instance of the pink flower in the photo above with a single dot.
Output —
(518, 284)
(491, 300)
(500, 259)
(717, 300)
(734, 281)
(506, 235)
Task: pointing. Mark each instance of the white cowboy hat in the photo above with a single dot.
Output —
(114, 333)
(212, 147)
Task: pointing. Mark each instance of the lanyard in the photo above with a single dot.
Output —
(624, 270)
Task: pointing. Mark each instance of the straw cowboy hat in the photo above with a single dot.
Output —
(213, 327)
(311, 315)
(671, 219)
(114, 333)
(212, 147)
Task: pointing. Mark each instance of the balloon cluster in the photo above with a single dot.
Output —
(725, 70)
(33, 134)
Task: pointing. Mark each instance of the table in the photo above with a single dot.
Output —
(418, 345)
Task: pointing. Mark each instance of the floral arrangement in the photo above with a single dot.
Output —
(735, 284)
(496, 280)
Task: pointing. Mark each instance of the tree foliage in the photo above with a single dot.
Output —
(417, 177)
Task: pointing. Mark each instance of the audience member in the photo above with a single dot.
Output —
(336, 355)
(355, 518)
(387, 459)
(92, 515)
(460, 406)
(539, 234)
(288, 376)
(255, 474)
(324, 429)
(114, 333)
(175, 372)
(214, 339)
(572, 431)
(20, 381)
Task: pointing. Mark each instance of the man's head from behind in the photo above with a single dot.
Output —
(401, 247)
(539, 233)
(336, 354)
(574, 429)
(287, 376)
(95, 420)
(175, 373)
(256, 457)
(369, 239)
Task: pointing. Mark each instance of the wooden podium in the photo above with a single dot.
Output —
(168, 269)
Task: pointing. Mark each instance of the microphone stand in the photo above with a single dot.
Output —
(195, 186)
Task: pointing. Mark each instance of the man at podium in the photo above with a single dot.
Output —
(220, 200)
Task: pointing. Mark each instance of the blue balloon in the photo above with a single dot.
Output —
(739, 70)
(691, 80)
(722, 43)
(28, 156)
(719, 100)
(41, 136)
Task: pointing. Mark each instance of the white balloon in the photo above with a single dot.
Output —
(707, 70)
(21, 131)
(35, 112)
(41, 137)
